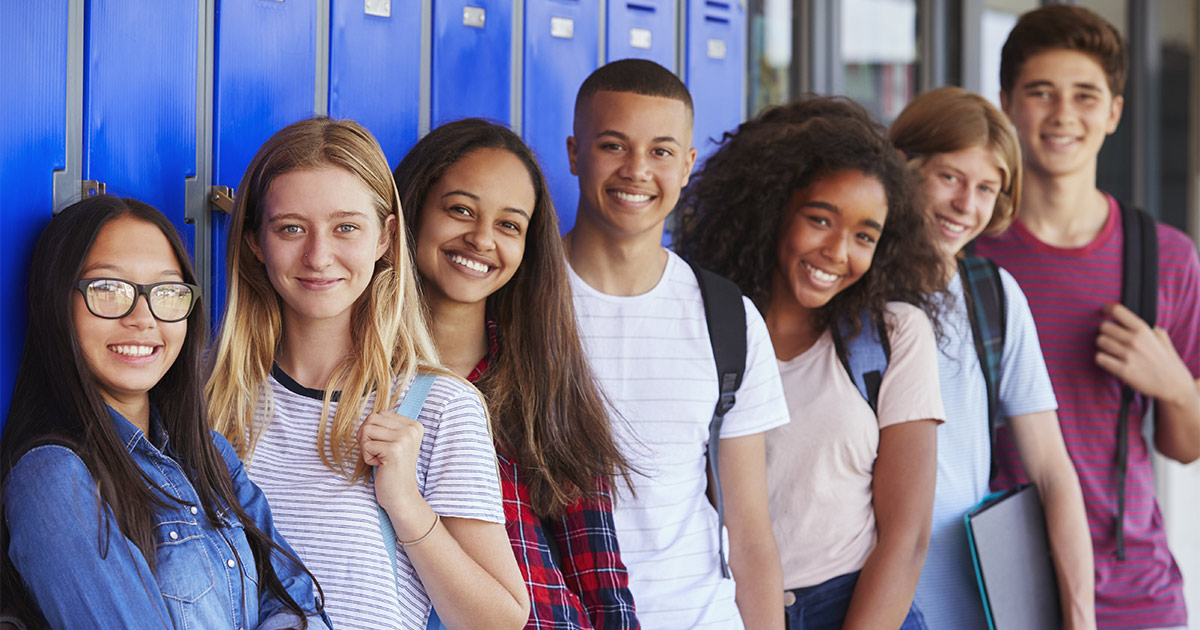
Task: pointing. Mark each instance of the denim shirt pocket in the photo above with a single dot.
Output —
(184, 570)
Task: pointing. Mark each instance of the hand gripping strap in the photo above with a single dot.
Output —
(725, 314)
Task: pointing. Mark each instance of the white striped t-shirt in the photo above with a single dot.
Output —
(652, 356)
(334, 525)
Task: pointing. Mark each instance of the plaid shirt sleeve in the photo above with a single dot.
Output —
(587, 538)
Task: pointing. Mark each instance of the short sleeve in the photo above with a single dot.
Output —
(461, 479)
(1179, 287)
(760, 404)
(1024, 380)
(910, 389)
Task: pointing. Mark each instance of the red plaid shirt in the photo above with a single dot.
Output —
(591, 589)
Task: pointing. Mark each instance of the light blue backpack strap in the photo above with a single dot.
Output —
(410, 407)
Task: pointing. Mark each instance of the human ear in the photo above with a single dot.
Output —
(1114, 114)
(386, 235)
(573, 154)
(251, 239)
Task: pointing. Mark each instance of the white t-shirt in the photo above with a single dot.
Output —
(334, 525)
(820, 467)
(947, 593)
(653, 358)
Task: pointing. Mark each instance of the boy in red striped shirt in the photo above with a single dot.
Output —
(1062, 73)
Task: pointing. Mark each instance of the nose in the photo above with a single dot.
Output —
(482, 238)
(834, 247)
(140, 317)
(636, 167)
(317, 252)
(962, 198)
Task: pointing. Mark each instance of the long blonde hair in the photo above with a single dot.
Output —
(387, 328)
(951, 119)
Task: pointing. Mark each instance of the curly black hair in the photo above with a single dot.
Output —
(730, 214)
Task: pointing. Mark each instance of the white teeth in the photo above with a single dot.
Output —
(469, 264)
(624, 196)
(1060, 140)
(133, 351)
(953, 227)
(820, 275)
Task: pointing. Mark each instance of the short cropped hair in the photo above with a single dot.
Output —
(951, 119)
(1064, 27)
(636, 76)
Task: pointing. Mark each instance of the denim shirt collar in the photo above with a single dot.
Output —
(131, 435)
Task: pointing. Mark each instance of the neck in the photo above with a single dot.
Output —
(136, 410)
(615, 265)
(1063, 211)
(312, 349)
(789, 323)
(460, 333)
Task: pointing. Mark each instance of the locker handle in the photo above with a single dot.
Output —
(719, 19)
(641, 6)
(222, 198)
(91, 188)
(717, 4)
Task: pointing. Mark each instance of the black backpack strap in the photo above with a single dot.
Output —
(1139, 292)
(726, 316)
(987, 311)
(866, 355)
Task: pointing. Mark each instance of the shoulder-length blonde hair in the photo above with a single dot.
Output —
(951, 119)
(388, 330)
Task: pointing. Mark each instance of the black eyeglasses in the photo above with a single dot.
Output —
(112, 298)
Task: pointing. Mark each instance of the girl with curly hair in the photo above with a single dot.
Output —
(486, 246)
(811, 212)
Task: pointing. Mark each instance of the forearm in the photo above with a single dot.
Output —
(1177, 424)
(759, 582)
(888, 581)
(1071, 549)
(462, 590)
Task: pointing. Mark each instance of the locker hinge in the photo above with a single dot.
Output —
(222, 198)
(91, 188)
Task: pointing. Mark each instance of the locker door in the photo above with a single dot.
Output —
(562, 39)
(33, 137)
(375, 69)
(139, 101)
(264, 78)
(472, 60)
(716, 68)
(644, 29)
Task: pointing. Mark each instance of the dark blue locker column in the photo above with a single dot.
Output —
(375, 70)
(139, 101)
(562, 40)
(264, 78)
(33, 137)
(716, 68)
(472, 60)
(644, 29)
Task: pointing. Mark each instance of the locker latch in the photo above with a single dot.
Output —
(222, 198)
(91, 188)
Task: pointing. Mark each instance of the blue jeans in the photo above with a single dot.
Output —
(824, 606)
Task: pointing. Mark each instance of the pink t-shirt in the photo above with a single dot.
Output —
(820, 465)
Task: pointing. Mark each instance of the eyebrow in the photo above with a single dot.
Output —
(296, 216)
(824, 205)
(1044, 83)
(117, 269)
(472, 195)
(624, 138)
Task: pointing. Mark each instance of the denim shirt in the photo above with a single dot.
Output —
(84, 573)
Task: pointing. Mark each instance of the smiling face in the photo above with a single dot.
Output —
(633, 154)
(1062, 109)
(128, 356)
(960, 194)
(472, 227)
(827, 238)
(319, 238)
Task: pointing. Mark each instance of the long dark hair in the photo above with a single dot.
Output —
(730, 213)
(56, 400)
(546, 410)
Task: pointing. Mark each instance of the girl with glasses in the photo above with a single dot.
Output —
(121, 508)
(323, 337)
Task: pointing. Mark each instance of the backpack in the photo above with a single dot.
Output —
(725, 314)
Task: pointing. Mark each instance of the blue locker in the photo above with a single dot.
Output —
(562, 43)
(264, 79)
(716, 68)
(472, 60)
(375, 70)
(33, 137)
(644, 29)
(139, 100)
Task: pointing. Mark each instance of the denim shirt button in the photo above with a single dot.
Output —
(231, 563)
(194, 510)
(174, 535)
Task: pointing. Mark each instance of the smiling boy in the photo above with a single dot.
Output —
(642, 320)
(1062, 73)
